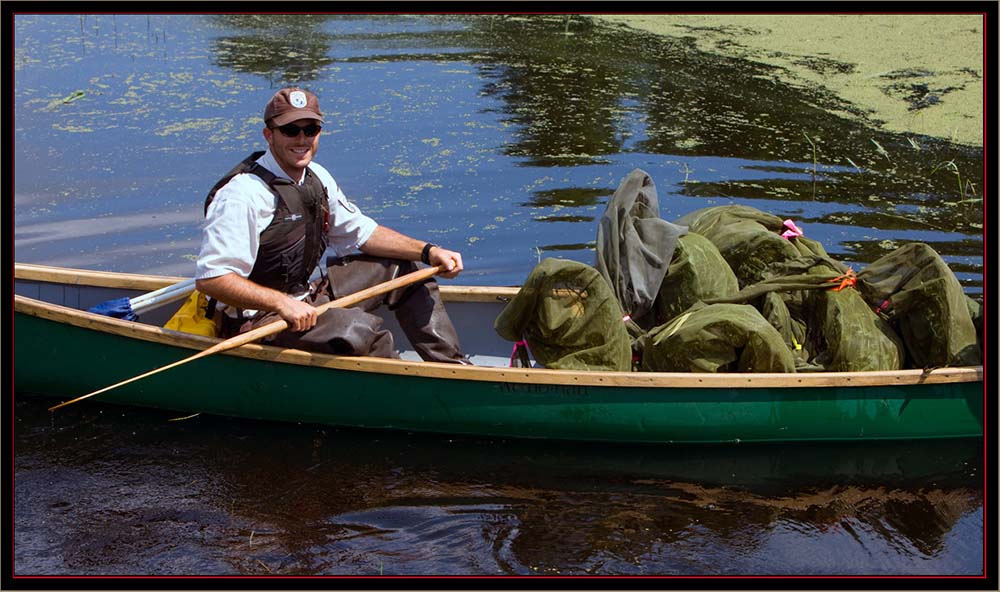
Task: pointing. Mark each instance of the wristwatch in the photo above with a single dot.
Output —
(426, 253)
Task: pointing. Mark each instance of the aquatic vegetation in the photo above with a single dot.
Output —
(963, 188)
(74, 96)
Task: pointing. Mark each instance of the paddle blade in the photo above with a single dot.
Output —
(119, 308)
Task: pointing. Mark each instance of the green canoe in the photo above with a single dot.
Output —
(63, 352)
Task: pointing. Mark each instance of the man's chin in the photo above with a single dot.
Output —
(300, 163)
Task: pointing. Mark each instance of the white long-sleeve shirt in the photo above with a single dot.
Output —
(245, 206)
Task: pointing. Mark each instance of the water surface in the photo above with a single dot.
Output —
(105, 490)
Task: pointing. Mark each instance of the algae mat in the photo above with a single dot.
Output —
(919, 74)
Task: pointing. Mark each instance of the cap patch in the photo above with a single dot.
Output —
(297, 99)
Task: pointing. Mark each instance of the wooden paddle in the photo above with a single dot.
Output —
(275, 327)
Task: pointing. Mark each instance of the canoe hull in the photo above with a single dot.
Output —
(65, 360)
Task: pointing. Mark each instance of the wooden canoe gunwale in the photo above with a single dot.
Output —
(536, 376)
(133, 281)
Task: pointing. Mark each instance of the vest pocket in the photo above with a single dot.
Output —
(280, 260)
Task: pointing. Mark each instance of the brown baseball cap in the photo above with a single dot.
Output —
(290, 104)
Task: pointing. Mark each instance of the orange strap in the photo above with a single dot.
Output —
(848, 279)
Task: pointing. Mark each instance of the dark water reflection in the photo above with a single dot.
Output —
(107, 490)
(502, 137)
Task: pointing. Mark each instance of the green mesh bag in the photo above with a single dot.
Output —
(697, 272)
(635, 247)
(750, 248)
(707, 221)
(847, 334)
(842, 333)
(792, 329)
(976, 314)
(808, 247)
(789, 278)
(747, 238)
(716, 338)
(569, 316)
(923, 299)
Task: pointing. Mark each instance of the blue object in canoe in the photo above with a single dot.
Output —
(119, 308)
(129, 308)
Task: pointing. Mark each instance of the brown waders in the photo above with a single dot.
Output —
(418, 307)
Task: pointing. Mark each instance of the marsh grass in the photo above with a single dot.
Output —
(814, 154)
(813, 144)
(881, 150)
(687, 172)
(965, 188)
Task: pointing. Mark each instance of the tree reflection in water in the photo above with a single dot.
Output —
(586, 97)
(308, 500)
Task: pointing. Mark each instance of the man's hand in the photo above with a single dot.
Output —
(300, 316)
(450, 261)
(238, 291)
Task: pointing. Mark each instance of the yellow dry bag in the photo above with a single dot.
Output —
(191, 317)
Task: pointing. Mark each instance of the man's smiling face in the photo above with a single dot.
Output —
(294, 153)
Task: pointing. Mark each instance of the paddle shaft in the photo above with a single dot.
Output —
(184, 287)
(275, 327)
(162, 296)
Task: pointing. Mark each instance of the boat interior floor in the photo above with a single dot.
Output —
(477, 360)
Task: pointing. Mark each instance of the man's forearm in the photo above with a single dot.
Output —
(240, 292)
(386, 242)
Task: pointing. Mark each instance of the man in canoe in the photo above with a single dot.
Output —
(268, 224)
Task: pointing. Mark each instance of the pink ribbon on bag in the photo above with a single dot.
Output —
(791, 230)
(513, 353)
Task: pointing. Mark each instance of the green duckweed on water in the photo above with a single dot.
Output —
(920, 74)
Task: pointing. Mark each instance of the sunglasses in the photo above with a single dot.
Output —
(290, 130)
